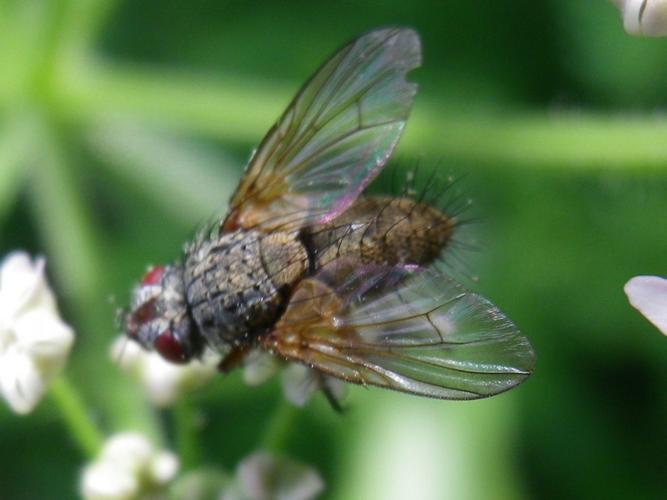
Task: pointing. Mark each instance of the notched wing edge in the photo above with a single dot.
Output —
(399, 52)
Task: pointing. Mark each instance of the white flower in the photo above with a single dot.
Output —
(34, 341)
(164, 382)
(259, 366)
(648, 294)
(128, 467)
(262, 476)
(644, 17)
(298, 381)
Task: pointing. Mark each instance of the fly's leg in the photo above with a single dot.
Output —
(233, 359)
(328, 393)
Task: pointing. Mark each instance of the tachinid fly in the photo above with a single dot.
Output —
(308, 268)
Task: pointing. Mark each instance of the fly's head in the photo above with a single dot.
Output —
(158, 317)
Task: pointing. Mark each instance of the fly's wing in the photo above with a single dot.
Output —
(402, 327)
(334, 137)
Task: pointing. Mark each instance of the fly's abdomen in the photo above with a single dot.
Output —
(235, 283)
(383, 230)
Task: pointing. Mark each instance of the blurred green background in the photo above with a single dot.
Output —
(123, 125)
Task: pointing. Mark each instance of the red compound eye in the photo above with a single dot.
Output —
(140, 316)
(154, 276)
(170, 348)
(145, 312)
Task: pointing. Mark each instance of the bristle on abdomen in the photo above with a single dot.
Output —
(383, 230)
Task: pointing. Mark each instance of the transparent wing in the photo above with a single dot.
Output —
(405, 328)
(334, 137)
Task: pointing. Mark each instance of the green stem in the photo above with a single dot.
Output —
(279, 427)
(77, 419)
(14, 152)
(187, 437)
(531, 139)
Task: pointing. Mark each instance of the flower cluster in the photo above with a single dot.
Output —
(262, 476)
(644, 17)
(128, 467)
(163, 382)
(34, 341)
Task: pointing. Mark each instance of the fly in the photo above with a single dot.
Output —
(307, 267)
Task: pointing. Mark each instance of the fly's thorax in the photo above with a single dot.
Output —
(236, 283)
(379, 229)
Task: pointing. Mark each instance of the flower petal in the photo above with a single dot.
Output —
(22, 285)
(166, 382)
(163, 468)
(299, 383)
(21, 382)
(644, 17)
(648, 294)
(299, 482)
(259, 366)
(128, 467)
(161, 379)
(263, 476)
(127, 353)
(107, 481)
(43, 334)
(163, 382)
(204, 483)
(130, 450)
